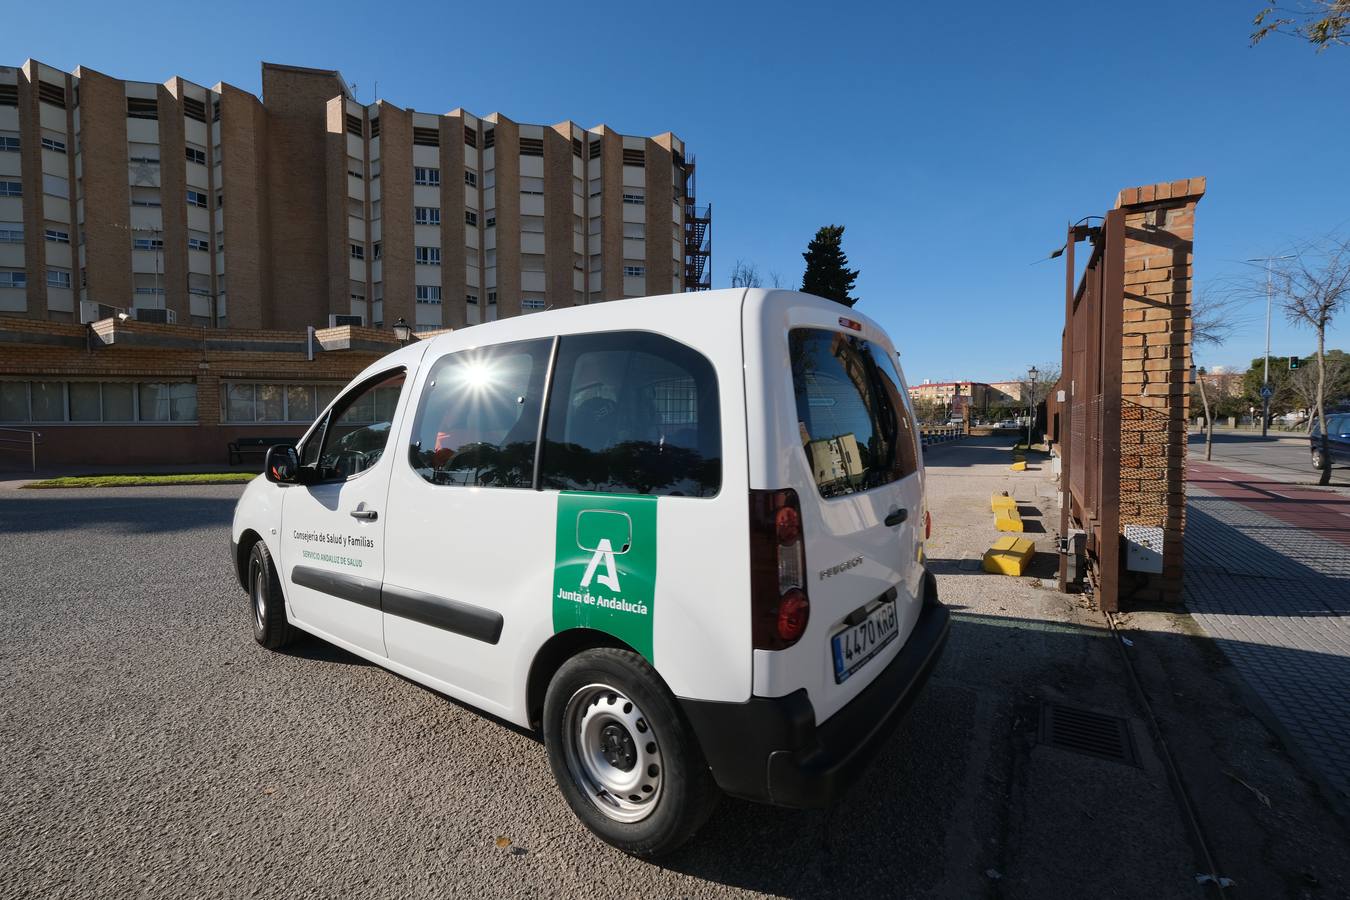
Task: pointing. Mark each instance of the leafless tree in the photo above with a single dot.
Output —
(745, 274)
(778, 281)
(1212, 322)
(1313, 287)
(1322, 23)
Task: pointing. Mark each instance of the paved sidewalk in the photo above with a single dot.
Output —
(1268, 577)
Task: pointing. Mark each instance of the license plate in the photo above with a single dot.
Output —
(855, 645)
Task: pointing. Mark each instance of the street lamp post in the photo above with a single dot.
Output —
(1032, 374)
(1265, 376)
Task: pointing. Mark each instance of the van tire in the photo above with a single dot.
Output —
(267, 606)
(687, 792)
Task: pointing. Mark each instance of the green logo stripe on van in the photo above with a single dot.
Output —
(604, 567)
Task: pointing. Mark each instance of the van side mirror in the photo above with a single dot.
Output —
(282, 464)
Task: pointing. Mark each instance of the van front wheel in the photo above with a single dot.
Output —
(623, 756)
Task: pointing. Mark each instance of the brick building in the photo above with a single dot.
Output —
(236, 221)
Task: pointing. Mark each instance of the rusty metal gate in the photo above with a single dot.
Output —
(1089, 408)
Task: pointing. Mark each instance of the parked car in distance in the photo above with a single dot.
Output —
(682, 537)
(1008, 425)
(1338, 442)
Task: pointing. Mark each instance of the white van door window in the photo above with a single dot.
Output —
(479, 419)
(632, 413)
(332, 535)
(853, 422)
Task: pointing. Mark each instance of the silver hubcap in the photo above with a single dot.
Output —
(612, 753)
(259, 598)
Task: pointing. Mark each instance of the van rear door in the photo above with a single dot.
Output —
(846, 442)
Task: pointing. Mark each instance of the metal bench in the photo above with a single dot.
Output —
(260, 445)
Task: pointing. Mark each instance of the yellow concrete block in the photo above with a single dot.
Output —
(1002, 501)
(1008, 520)
(1019, 466)
(1009, 556)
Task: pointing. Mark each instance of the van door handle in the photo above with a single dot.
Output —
(897, 517)
(367, 514)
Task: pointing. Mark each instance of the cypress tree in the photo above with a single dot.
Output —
(827, 272)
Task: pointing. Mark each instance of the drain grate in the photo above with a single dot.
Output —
(1088, 732)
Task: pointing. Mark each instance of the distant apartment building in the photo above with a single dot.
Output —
(978, 396)
(212, 206)
(165, 248)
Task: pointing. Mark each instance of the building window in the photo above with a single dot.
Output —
(634, 157)
(194, 198)
(220, 199)
(142, 108)
(53, 144)
(353, 124)
(632, 196)
(358, 251)
(595, 149)
(11, 233)
(470, 217)
(377, 250)
(634, 231)
(9, 144)
(529, 185)
(428, 293)
(194, 109)
(427, 176)
(427, 137)
(426, 215)
(93, 401)
(143, 159)
(491, 220)
(471, 299)
(489, 179)
(199, 244)
(470, 136)
(375, 127)
(12, 279)
(244, 402)
(635, 271)
(489, 137)
(531, 147)
(532, 262)
(471, 178)
(532, 224)
(147, 244)
(531, 304)
(9, 95)
(492, 298)
(356, 173)
(195, 155)
(11, 188)
(428, 256)
(57, 236)
(58, 278)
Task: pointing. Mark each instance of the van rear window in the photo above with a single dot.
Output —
(855, 426)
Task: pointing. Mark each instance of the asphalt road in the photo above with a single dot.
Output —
(1286, 452)
(149, 747)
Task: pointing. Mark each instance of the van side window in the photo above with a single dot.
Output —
(356, 432)
(478, 421)
(634, 413)
(855, 427)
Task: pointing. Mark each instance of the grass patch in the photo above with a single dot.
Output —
(103, 481)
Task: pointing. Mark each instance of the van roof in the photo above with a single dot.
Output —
(646, 313)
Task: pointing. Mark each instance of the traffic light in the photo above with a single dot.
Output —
(1293, 363)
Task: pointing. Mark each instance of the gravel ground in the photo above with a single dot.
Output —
(149, 747)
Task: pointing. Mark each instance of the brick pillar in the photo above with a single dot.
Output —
(1155, 374)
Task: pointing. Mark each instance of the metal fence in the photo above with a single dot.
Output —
(21, 440)
(1089, 410)
(938, 434)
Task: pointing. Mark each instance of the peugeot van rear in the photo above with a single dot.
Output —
(682, 537)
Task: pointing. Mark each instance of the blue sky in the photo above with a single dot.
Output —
(953, 140)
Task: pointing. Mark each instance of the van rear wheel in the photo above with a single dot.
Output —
(623, 756)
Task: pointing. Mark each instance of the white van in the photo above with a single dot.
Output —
(682, 536)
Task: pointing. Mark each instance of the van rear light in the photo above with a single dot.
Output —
(850, 323)
(779, 605)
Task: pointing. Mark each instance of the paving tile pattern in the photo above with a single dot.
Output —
(1276, 598)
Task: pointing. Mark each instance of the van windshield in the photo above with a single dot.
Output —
(854, 423)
